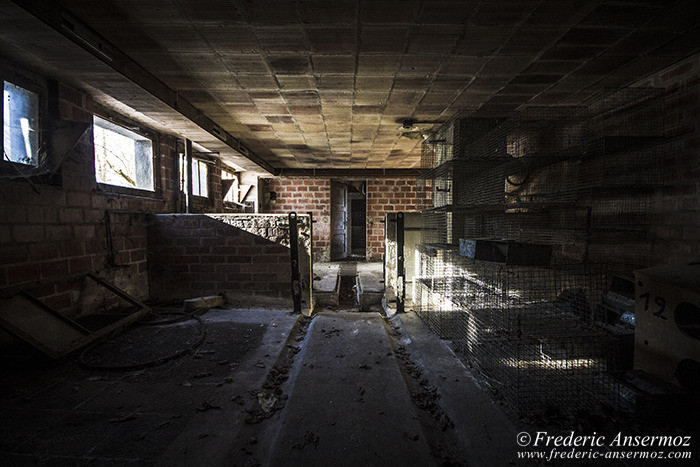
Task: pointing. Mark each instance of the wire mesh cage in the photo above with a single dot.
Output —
(525, 221)
(530, 330)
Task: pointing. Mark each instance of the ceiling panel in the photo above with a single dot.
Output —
(314, 82)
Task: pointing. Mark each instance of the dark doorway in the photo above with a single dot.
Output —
(348, 219)
(358, 231)
(339, 220)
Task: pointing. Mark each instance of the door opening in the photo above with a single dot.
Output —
(358, 214)
(348, 219)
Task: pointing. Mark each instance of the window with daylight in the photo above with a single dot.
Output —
(229, 184)
(200, 177)
(122, 157)
(20, 129)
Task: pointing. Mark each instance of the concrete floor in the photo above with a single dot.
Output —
(266, 388)
(367, 292)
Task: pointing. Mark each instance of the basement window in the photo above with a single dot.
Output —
(122, 157)
(200, 177)
(229, 184)
(20, 129)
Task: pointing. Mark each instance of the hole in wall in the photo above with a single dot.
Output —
(688, 374)
(687, 318)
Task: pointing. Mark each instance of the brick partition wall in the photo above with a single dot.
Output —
(385, 195)
(304, 194)
(239, 255)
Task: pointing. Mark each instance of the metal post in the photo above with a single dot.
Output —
(294, 255)
(188, 172)
(384, 258)
(311, 241)
(400, 270)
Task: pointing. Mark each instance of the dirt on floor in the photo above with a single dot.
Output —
(125, 401)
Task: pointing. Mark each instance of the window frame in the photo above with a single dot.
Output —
(199, 160)
(40, 88)
(182, 182)
(234, 186)
(140, 130)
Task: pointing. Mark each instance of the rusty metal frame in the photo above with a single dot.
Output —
(400, 269)
(294, 257)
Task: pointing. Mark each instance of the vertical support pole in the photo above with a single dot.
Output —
(294, 256)
(188, 174)
(311, 241)
(400, 269)
(110, 243)
(384, 258)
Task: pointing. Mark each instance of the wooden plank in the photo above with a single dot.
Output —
(40, 326)
(53, 334)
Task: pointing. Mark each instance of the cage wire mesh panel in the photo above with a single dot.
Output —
(576, 181)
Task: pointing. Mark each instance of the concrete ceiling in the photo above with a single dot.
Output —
(325, 84)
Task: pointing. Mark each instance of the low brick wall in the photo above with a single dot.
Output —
(239, 255)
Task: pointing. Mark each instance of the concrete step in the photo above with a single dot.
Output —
(370, 293)
(326, 288)
(370, 286)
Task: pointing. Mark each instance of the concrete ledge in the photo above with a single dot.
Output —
(326, 289)
(487, 431)
(369, 294)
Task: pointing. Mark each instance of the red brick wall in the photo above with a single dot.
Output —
(239, 255)
(304, 194)
(676, 211)
(386, 195)
(51, 238)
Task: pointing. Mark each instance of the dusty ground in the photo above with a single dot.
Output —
(62, 413)
(263, 388)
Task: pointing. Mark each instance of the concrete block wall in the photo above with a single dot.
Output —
(240, 255)
(675, 211)
(303, 194)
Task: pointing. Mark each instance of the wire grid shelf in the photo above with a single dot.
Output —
(558, 176)
(528, 329)
(578, 179)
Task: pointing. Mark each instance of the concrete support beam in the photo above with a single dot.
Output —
(62, 21)
(350, 173)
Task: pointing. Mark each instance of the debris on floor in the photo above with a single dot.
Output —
(272, 398)
(202, 303)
